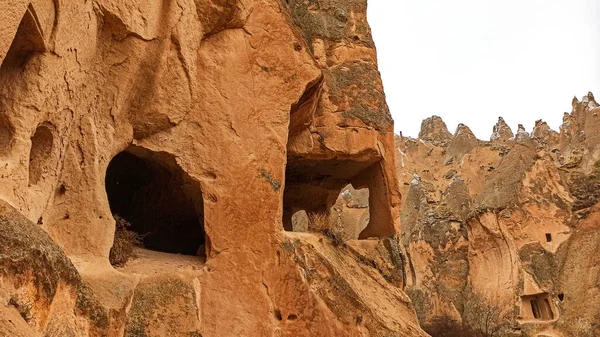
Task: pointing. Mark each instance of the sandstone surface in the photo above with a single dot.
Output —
(206, 125)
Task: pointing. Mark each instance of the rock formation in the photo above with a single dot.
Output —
(509, 231)
(434, 130)
(501, 132)
(205, 125)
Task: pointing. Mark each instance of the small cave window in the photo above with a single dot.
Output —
(306, 201)
(561, 297)
(161, 202)
(537, 307)
(548, 314)
(548, 237)
(343, 198)
(349, 213)
(42, 144)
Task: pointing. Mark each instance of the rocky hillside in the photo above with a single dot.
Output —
(504, 233)
(211, 168)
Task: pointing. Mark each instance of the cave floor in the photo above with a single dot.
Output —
(149, 262)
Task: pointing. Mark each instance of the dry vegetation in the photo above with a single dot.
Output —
(323, 223)
(480, 318)
(125, 240)
(24, 308)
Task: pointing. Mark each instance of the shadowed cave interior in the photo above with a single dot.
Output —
(163, 205)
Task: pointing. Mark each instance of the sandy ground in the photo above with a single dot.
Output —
(149, 262)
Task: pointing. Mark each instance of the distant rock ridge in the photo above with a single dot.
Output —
(501, 131)
(586, 101)
(433, 129)
(463, 142)
(504, 225)
(543, 132)
(522, 135)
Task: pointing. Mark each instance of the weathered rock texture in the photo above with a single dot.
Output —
(207, 125)
(509, 226)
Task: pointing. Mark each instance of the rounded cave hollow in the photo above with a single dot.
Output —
(42, 144)
(161, 202)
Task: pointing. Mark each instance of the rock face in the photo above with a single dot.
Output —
(206, 125)
(511, 229)
(434, 130)
(501, 132)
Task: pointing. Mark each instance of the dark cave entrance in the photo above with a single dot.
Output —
(162, 203)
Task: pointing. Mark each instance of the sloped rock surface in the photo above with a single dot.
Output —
(434, 130)
(41, 284)
(501, 131)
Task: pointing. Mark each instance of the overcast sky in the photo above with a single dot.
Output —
(470, 61)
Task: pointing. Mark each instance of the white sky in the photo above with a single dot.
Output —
(470, 61)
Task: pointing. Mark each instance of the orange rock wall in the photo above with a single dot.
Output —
(232, 94)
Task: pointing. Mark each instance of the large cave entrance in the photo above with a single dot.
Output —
(161, 202)
(346, 198)
(339, 197)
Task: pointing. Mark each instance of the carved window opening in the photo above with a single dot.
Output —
(547, 310)
(161, 202)
(314, 181)
(343, 197)
(548, 237)
(344, 213)
(537, 308)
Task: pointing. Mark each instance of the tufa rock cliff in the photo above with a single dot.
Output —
(209, 130)
(501, 236)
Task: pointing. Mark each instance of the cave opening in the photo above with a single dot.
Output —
(161, 202)
(329, 196)
(537, 307)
